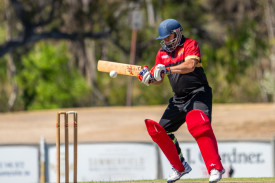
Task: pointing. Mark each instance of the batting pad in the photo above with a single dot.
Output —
(200, 128)
(159, 136)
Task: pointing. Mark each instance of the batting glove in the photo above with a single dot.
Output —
(144, 75)
(160, 70)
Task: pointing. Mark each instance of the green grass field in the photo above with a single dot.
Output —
(227, 180)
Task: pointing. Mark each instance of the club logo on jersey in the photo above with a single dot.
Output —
(181, 51)
(164, 56)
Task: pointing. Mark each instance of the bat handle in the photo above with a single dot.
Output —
(153, 79)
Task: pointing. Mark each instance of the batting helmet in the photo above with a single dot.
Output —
(167, 26)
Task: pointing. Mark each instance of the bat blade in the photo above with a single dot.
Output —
(120, 68)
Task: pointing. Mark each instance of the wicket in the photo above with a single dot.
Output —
(66, 125)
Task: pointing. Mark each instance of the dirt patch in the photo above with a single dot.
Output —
(111, 124)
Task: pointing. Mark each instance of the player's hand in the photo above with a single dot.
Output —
(160, 70)
(144, 76)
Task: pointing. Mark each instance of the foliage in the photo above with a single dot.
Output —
(232, 61)
(231, 35)
(48, 81)
(3, 80)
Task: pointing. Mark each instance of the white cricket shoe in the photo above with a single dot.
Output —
(215, 175)
(176, 175)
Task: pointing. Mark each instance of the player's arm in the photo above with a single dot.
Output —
(185, 67)
(155, 82)
(192, 58)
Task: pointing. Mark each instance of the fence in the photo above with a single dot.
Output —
(130, 161)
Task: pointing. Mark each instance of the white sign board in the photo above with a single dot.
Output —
(136, 19)
(248, 159)
(108, 162)
(19, 164)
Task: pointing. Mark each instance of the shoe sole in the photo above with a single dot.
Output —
(171, 181)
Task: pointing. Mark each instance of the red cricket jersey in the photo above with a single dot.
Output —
(182, 84)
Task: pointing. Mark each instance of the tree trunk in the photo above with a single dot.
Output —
(270, 22)
(91, 70)
(11, 66)
(150, 12)
(83, 52)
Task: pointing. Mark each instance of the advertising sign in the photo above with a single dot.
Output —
(246, 159)
(108, 162)
(19, 164)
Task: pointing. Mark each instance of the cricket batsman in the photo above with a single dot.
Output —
(179, 58)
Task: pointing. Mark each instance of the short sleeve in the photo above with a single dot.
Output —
(192, 50)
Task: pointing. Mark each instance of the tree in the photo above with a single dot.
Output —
(268, 74)
(231, 36)
(48, 81)
(42, 20)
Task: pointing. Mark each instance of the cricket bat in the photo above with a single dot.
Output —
(120, 68)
